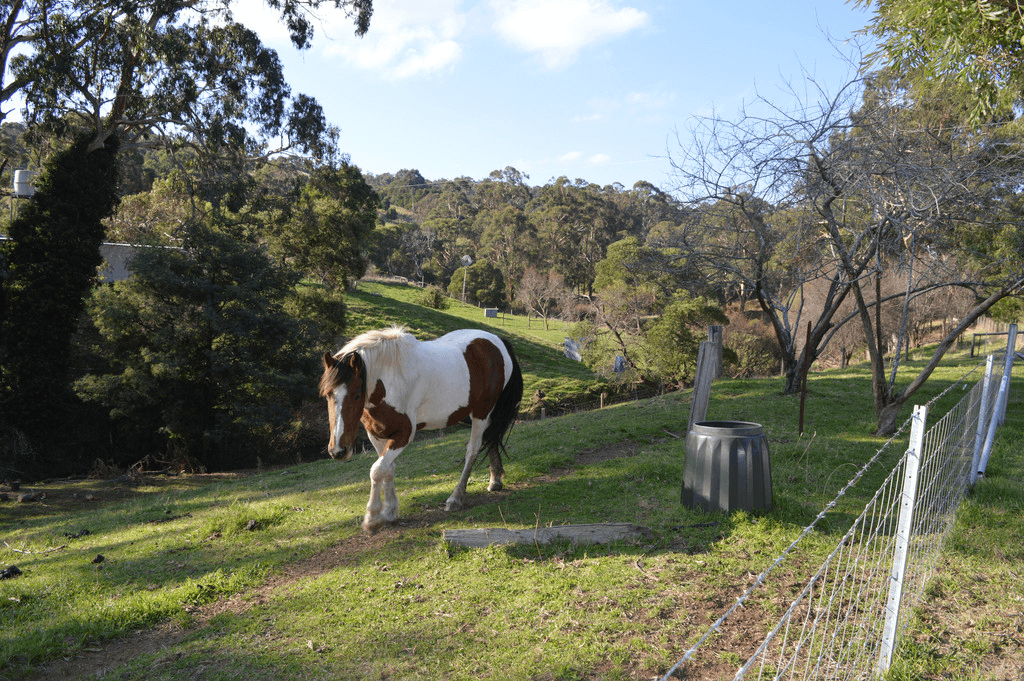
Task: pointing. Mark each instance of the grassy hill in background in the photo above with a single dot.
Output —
(540, 352)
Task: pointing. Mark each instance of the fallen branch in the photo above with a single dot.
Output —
(35, 553)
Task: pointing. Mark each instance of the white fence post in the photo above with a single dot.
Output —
(983, 409)
(1011, 352)
(903, 530)
(1000, 406)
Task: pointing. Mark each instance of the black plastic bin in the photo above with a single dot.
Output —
(727, 467)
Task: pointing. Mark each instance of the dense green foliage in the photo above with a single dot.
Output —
(185, 78)
(204, 362)
(322, 232)
(480, 283)
(48, 267)
(975, 46)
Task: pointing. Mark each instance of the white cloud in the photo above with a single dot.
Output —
(649, 100)
(571, 156)
(558, 29)
(267, 24)
(433, 56)
(407, 38)
(599, 159)
(636, 106)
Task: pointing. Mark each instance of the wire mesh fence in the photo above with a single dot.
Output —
(846, 620)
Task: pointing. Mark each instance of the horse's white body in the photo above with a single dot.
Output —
(415, 385)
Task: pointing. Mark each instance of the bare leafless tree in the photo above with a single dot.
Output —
(840, 193)
(540, 293)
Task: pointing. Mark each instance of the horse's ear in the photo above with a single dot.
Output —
(355, 361)
(358, 366)
(329, 361)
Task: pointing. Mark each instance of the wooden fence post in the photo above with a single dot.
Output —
(702, 384)
(715, 338)
(709, 367)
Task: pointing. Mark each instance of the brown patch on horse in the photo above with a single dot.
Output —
(486, 377)
(383, 421)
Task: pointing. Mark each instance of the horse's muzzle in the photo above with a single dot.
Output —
(341, 453)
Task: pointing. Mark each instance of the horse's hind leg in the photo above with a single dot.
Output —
(497, 470)
(476, 435)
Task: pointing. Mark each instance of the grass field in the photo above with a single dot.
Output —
(265, 574)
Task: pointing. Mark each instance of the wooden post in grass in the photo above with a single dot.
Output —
(803, 378)
(707, 370)
(715, 339)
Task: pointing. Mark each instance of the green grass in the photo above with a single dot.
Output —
(266, 574)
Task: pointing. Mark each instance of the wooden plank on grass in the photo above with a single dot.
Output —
(594, 533)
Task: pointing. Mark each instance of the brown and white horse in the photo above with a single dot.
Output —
(397, 385)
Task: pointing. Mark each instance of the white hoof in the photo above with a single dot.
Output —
(452, 505)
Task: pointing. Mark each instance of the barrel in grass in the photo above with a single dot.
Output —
(728, 467)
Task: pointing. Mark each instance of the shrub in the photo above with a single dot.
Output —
(434, 298)
(755, 351)
(483, 282)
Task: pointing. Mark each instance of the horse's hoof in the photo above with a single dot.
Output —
(452, 505)
(495, 487)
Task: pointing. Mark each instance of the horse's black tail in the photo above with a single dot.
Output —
(503, 416)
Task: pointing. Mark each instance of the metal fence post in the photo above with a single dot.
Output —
(903, 530)
(999, 409)
(1011, 351)
(983, 409)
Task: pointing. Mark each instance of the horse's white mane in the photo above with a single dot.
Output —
(380, 347)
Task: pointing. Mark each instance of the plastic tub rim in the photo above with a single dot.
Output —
(725, 428)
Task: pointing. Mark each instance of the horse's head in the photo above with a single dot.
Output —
(344, 386)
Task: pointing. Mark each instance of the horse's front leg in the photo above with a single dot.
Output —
(458, 496)
(382, 508)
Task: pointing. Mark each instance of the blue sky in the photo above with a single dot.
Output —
(590, 89)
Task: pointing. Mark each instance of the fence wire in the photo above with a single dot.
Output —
(833, 629)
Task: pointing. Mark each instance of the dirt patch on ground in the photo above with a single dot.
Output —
(618, 450)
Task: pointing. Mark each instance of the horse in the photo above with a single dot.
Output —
(397, 385)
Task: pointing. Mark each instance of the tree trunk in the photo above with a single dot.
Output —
(887, 418)
(887, 411)
(879, 386)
